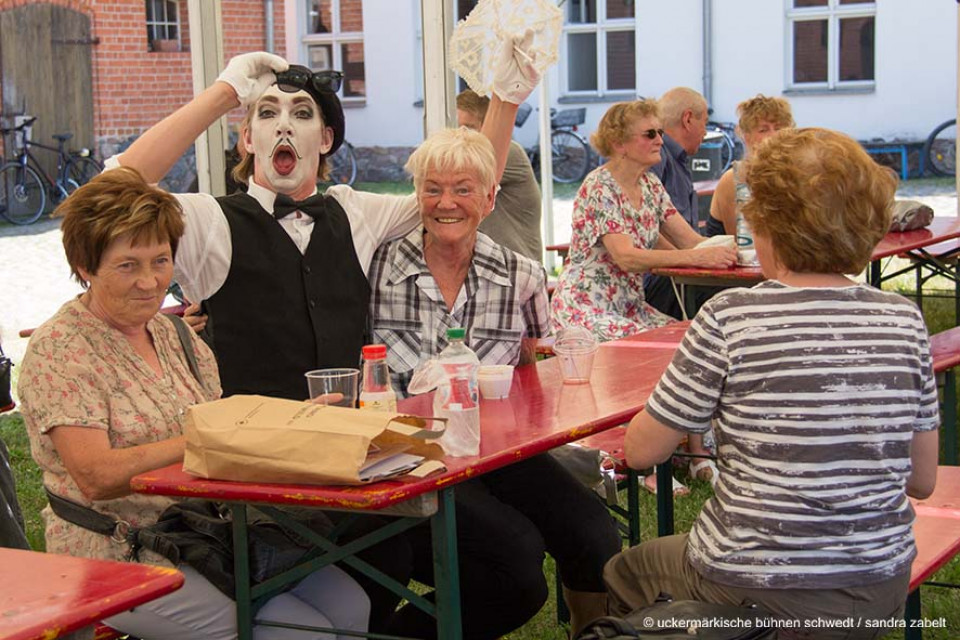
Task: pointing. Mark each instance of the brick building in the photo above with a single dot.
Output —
(108, 69)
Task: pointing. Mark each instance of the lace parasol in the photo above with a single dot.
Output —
(476, 41)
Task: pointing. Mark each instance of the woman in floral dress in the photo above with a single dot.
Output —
(624, 225)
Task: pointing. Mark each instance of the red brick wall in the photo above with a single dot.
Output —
(134, 87)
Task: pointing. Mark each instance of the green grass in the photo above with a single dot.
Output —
(27, 475)
(937, 602)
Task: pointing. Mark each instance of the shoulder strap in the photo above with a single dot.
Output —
(183, 332)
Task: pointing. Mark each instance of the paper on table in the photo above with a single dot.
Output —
(389, 466)
(717, 241)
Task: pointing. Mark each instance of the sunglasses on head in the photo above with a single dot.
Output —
(652, 133)
(293, 80)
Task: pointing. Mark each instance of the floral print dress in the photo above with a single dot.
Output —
(81, 372)
(593, 292)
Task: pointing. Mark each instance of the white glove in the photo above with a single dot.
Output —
(515, 77)
(251, 73)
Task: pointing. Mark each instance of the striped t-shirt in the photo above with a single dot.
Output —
(815, 393)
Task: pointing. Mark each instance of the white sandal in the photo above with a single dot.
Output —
(704, 469)
(679, 489)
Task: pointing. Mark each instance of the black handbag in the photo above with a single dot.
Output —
(5, 366)
(668, 619)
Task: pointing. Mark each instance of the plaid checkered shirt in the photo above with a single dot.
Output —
(502, 301)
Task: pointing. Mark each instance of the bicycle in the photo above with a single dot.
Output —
(570, 152)
(23, 182)
(343, 166)
(940, 149)
(731, 147)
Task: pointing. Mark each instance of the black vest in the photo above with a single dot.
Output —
(280, 314)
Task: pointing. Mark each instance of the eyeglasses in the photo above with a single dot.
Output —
(652, 133)
(293, 80)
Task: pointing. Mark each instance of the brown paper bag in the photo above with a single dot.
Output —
(260, 439)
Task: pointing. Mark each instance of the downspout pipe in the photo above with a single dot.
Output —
(268, 25)
(708, 51)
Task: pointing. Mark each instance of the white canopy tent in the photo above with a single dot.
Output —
(439, 91)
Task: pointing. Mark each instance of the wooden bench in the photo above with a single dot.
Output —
(899, 147)
(937, 534)
(945, 352)
(46, 595)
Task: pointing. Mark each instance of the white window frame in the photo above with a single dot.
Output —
(335, 39)
(166, 23)
(601, 28)
(833, 13)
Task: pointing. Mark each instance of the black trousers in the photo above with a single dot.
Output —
(658, 292)
(506, 521)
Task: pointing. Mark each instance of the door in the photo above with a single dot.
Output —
(46, 71)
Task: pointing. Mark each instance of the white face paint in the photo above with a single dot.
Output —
(287, 135)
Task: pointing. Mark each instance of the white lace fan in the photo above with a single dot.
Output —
(476, 41)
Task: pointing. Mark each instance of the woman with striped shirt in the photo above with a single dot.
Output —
(825, 410)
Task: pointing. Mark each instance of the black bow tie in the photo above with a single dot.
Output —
(284, 205)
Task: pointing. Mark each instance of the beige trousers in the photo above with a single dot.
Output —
(636, 577)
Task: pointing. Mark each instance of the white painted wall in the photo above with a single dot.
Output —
(389, 117)
(916, 68)
(916, 63)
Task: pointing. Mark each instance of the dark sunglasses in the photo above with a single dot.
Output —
(293, 80)
(652, 133)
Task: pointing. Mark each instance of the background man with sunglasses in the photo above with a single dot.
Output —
(281, 268)
(684, 113)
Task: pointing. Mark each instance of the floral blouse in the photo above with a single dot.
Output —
(78, 371)
(593, 292)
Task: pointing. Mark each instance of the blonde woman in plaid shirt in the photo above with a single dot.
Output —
(445, 274)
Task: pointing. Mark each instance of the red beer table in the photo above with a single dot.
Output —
(910, 243)
(541, 413)
(45, 596)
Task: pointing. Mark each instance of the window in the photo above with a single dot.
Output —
(163, 25)
(599, 55)
(832, 43)
(334, 40)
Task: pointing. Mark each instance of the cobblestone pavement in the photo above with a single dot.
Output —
(35, 279)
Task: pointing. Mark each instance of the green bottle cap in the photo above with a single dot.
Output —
(456, 333)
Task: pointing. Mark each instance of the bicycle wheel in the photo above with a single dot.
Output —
(343, 165)
(82, 169)
(22, 195)
(571, 157)
(940, 149)
(727, 148)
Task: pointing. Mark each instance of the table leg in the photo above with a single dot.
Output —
(665, 498)
(875, 273)
(241, 572)
(912, 612)
(443, 527)
(633, 505)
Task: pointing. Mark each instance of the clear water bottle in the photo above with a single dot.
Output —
(376, 392)
(746, 252)
(457, 397)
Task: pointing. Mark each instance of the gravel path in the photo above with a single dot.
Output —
(35, 279)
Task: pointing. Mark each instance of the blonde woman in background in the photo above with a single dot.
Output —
(760, 118)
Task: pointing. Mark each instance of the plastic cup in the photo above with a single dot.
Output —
(575, 349)
(336, 387)
(495, 380)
